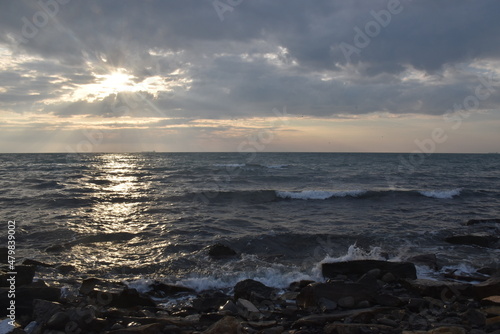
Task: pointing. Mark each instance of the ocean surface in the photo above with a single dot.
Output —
(140, 217)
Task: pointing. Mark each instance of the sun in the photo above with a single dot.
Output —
(118, 81)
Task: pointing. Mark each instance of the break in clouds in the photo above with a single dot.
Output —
(229, 59)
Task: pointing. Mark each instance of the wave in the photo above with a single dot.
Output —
(441, 194)
(236, 165)
(319, 194)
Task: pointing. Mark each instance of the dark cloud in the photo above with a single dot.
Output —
(264, 54)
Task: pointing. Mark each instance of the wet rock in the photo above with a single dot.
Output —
(321, 319)
(447, 330)
(58, 320)
(161, 290)
(388, 300)
(30, 262)
(338, 328)
(142, 329)
(218, 251)
(346, 302)
(428, 260)
(209, 301)
(389, 278)
(311, 294)
(360, 267)
(227, 325)
(438, 289)
(247, 310)
(491, 300)
(25, 295)
(326, 305)
(474, 317)
(473, 239)
(481, 221)
(130, 298)
(92, 284)
(297, 286)
(490, 287)
(24, 276)
(253, 290)
(229, 307)
(66, 268)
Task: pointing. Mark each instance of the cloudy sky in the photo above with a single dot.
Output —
(249, 75)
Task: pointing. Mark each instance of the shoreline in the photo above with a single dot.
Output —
(359, 296)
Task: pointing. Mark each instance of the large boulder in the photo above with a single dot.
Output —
(219, 250)
(481, 240)
(360, 267)
(253, 290)
(311, 295)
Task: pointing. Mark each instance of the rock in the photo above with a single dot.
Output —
(438, 289)
(220, 251)
(90, 285)
(229, 307)
(247, 310)
(30, 262)
(66, 268)
(360, 267)
(389, 278)
(209, 301)
(130, 298)
(338, 328)
(492, 310)
(474, 317)
(161, 290)
(25, 296)
(24, 276)
(58, 320)
(490, 287)
(388, 300)
(481, 221)
(311, 294)
(321, 319)
(448, 330)
(428, 260)
(227, 325)
(253, 290)
(326, 305)
(416, 304)
(493, 322)
(346, 302)
(43, 310)
(142, 329)
(473, 239)
(32, 327)
(491, 300)
(297, 286)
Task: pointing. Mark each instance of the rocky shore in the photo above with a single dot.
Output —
(365, 296)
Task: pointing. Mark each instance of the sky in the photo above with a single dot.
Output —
(250, 76)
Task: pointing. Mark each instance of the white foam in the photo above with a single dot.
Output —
(441, 194)
(229, 165)
(318, 194)
(277, 166)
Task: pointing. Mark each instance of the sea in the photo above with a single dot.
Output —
(144, 217)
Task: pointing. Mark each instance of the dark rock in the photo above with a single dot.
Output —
(447, 330)
(30, 262)
(428, 260)
(481, 221)
(388, 300)
(438, 289)
(66, 268)
(338, 328)
(346, 302)
(360, 267)
(25, 296)
(227, 325)
(488, 241)
(490, 287)
(474, 317)
(247, 310)
(229, 307)
(58, 320)
(491, 300)
(321, 319)
(130, 298)
(252, 290)
(220, 251)
(161, 290)
(326, 305)
(43, 310)
(416, 304)
(297, 286)
(90, 285)
(24, 276)
(311, 294)
(143, 329)
(209, 301)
